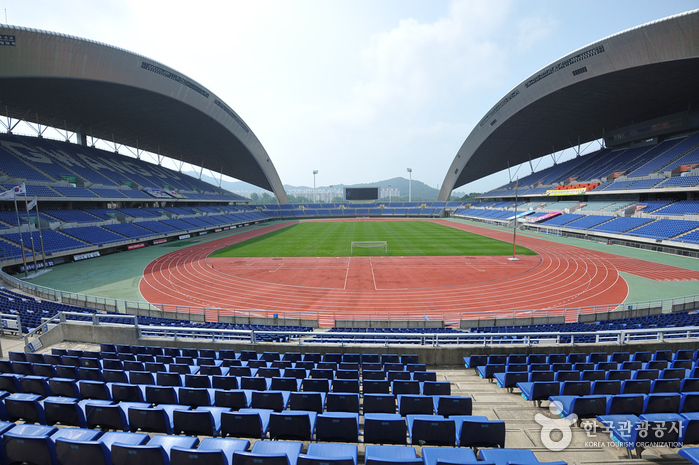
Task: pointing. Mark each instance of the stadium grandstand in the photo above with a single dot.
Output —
(89, 378)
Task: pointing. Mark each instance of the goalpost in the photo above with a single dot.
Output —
(369, 245)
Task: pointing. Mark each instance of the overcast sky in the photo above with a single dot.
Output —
(358, 90)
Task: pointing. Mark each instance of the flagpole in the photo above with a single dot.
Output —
(21, 239)
(41, 238)
(31, 233)
(514, 231)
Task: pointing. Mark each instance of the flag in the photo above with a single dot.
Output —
(8, 195)
(20, 189)
(32, 204)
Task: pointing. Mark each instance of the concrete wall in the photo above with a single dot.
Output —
(544, 320)
(431, 356)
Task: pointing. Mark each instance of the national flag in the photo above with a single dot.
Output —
(22, 189)
(32, 204)
(7, 195)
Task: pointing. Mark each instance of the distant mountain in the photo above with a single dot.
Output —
(420, 190)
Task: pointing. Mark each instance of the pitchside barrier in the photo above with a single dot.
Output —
(61, 328)
(329, 318)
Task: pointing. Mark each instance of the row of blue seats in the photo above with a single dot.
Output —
(277, 400)
(41, 384)
(541, 390)
(473, 361)
(607, 381)
(246, 355)
(46, 445)
(188, 365)
(591, 406)
(466, 430)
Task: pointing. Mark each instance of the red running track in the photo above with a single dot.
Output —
(329, 288)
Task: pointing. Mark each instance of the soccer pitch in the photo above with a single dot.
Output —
(333, 239)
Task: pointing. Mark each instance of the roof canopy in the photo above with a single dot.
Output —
(101, 91)
(637, 75)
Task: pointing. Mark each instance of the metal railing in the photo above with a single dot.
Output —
(617, 337)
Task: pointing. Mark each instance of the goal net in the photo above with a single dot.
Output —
(368, 247)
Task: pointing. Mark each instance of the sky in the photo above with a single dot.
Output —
(359, 90)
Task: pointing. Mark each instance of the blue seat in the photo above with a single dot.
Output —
(436, 388)
(636, 386)
(274, 400)
(269, 453)
(310, 401)
(452, 405)
(126, 392)
(170, 379)
(582, 406)
(391, 455)
(155, 452)
(399, 387)
(204, 420)
(285, 384)
(114, 416)
(634, 433)
(620, 404)
(36, 444)
(195, 397)
(65, 410)
(161, 395)
(345, 385)
(379, 403)
(409, 404)
(539, 390)
(33, 384)
(384, 428)
(292, 424)
(337, 426)
(662, 403)
(376, 386)
(234, 399)
(246, 422)
(95, 452)
(433, 430)
(477, 431)
(509, 379)
(64, 387)
(689, 402)
(690, 428)
(512, 456)
(575, 388)
(605, 387)
(315, 385)
(448, 455)
(330, 454)
(211, 451)
(26, 407)
(690, 453)
(158, 419)
(343, 402)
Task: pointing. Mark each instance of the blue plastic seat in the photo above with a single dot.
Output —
(379, 403)
(384, 428)
(342, 402)
(330, 454)
(512, 456)
(97, 451)
(36, 444)
(211, 451)
(337, 426)
(195, 397)
(158, 419)
(233, 399)
(448, 455)
(26, 407)
(155, 452)
(311, 401)
(433, 430)
(391, 455)
(274, 400)
(452, 405)
(620, 404)
(204, 420)
(161, 395)
(269, 453)
(409, 404)
(292, 424)
(126, 392)
(246, 422)
(477, 431)
(539, 390)
(114, 416)
(690, 453)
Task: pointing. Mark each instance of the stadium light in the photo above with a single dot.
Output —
(410, 185)
(315, 194)
(389, 193)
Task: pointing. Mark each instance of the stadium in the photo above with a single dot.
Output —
(554, 320)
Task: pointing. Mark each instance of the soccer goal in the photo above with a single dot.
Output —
(361, 247)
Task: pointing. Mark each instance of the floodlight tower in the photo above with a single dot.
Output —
(410, 185)
(389, 193)
(315, 195)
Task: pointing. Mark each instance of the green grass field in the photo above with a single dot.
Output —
(333, 239)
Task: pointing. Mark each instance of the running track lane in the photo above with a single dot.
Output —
(564, 276)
